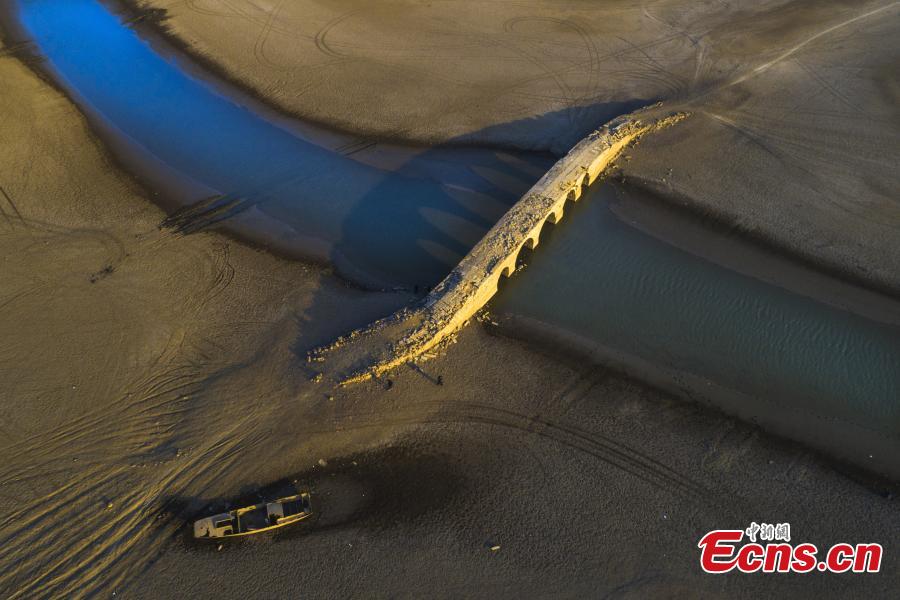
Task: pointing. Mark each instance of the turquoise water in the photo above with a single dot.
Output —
(406, 226)
(596, 276)
(600, 278)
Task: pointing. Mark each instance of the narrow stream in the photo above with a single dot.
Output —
(799, 367)
(403, 225)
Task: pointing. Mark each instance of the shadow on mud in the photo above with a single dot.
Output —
(373, 490)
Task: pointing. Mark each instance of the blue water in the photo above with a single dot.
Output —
(405, 227)
(596, 276)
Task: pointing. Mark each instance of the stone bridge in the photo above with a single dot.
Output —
(412, 332)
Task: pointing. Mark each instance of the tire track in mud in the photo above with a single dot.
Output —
(169, 373)
(654, 72)
(364, 143)
(136, 525)
(592, 81)
(15, 218)
(509, 26)
(267, 24)
(576, 66)
(138, 410)
(255, 15)
(320, 39)
(259, 47)
(781, 145)
(602, 448)
(98, 455)
(569, 97)
(85, 501)
(261, 18)
(563, 403)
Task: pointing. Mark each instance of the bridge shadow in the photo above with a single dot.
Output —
(414, 226)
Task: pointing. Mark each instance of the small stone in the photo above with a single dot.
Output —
(495, 547)
(219, 548)
(323, 462)
(109, 505)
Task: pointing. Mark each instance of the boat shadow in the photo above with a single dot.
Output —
(384, 488)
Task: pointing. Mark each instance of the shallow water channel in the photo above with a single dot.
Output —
(601, 285)
(385, 216)
(798, 366)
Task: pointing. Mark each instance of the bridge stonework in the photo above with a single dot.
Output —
(411, 333)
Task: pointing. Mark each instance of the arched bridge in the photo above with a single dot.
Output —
(410, 333)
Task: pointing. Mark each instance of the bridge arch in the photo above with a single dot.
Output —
(413, 331)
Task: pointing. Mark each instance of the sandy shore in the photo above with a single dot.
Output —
(148, 376)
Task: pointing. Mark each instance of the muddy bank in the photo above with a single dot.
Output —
(451, 70)
(697, 232)
(385, 217)
(735, 338)
(412, 333)
(793, 142)
(136, 363)
(587, 483)
(148, 374)
(800, 154)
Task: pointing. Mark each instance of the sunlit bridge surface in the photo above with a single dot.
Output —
(403, 217)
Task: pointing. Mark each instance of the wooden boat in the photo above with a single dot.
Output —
(258, 518)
